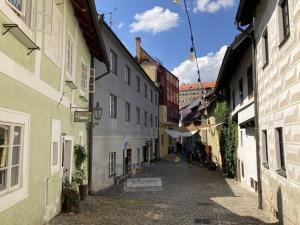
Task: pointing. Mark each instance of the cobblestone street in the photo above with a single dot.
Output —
(189, 196)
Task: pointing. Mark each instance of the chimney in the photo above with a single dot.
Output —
(138, 48)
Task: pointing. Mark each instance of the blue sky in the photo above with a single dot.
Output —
(163, 28)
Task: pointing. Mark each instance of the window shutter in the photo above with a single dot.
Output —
(42, 16)
(92, 80)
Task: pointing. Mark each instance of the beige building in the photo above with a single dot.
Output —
(277, 36)
(190, 92)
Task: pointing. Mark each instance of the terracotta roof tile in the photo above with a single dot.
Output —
(194, 86)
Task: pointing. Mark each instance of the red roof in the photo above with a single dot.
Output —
(195, 86)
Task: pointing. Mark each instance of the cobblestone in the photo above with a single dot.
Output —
(189, 196)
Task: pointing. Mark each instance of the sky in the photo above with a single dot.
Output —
(163, 28)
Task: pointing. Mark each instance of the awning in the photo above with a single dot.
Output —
(176, 134)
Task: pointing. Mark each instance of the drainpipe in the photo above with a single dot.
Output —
(90, 135)
(256, 111)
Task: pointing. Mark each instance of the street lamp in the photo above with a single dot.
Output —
(98, 111)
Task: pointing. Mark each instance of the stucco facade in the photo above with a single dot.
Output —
(278, 101)
(132, 139)
(36, 100)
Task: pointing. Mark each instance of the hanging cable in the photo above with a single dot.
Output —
(193, 44)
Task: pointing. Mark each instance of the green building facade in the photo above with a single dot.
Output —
(38, 94)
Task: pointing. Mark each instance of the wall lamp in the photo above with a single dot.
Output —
(84, 114)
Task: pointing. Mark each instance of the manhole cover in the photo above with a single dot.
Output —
(202, 221)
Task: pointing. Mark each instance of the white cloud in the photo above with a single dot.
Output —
(155, 20)
(212, 6)
(120, 25)
(209, 66)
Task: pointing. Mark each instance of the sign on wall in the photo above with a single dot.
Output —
(83, 116)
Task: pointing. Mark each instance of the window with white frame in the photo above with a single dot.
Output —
(127, 111)
(14, 139)
(265, 148)
(70, 57)
(151, 120)
(112, 164)
(113, 106)
(151, 95)
(84, 78)
(55, 146)
(113, 62)
(11, 148)
(127, 75)
(18, 5)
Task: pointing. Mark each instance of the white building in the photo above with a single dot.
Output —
(236, 74)
(277, 37)
(125, 136)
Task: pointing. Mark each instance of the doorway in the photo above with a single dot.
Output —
(128, 161)
(68, 153)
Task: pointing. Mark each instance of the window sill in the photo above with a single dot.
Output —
(282, 173)
(284, 40)
(266, 165)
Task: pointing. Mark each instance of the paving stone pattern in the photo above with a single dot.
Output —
(189, 196)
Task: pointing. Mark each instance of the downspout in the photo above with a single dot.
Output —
(256, 111)
(90, 135)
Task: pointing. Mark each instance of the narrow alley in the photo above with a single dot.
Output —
(189, 196)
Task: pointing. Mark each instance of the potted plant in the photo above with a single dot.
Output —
(80, 173)
(70, 198)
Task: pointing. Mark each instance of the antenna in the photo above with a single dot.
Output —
(110, 18)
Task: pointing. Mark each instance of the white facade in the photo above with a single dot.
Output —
(114, 134)
(242, 103)
(279, 107)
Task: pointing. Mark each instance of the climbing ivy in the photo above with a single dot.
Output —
(228, 136)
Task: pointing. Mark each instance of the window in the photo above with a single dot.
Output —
(250, 81)
(170, 140)
(55, 146)
(112, 163)
(70, 57)
(113, 106)
(151, 95)
(151, 120)
(279, 149)
(265, 48)
(127, 111)
(265, 148)
(145, 118)
(138, 153)
(84, 78)
(156, 121)
(241, 89)
(14, 139)
(243, 174)
(127, 75)
(155, 99)
(113, 62)
(284, 19)
(241, 138)
(11, 148)
(145, 90)
(138, 115)
(17, 5)
(138, 84)
(233, 99)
